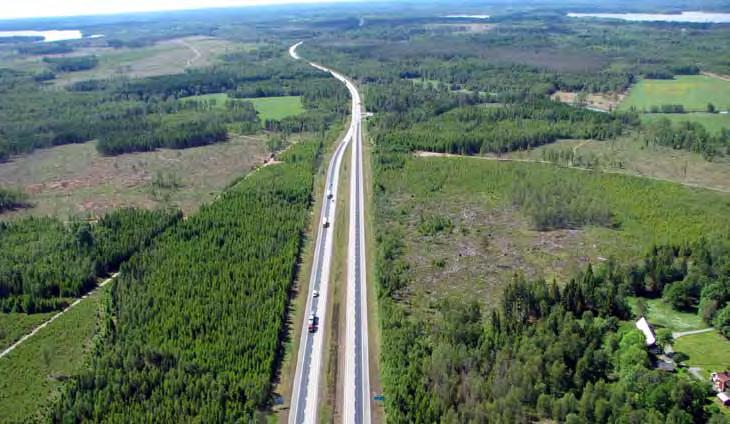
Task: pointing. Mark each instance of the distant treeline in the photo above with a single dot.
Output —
(689, 136)
(72, 63)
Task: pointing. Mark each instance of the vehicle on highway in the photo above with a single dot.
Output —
(326, 223)
(315, 293)
(312, 323)
(330, 194)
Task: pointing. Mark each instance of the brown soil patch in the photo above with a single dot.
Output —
(602, 101)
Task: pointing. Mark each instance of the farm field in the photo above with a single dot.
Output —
(707, 351)
(661, 315)
(75, 179)
(469, 200)
(714, 122)
(32, 374)
(694, 92)
(267, 107)
(628, 155)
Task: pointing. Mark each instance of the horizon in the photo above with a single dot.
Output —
(81, 8)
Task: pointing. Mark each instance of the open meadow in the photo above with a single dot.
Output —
(710, 352)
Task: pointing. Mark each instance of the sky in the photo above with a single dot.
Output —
(13, 9)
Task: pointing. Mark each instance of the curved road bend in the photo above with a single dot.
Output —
(304, 402)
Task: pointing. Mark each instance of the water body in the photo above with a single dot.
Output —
(691, 17)
(48, 36)
(467, 16)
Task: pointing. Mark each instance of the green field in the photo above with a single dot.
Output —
(692, 91)
(714, 122)
(267, 107)
(707, 351)
(662, 315)
(31, 375)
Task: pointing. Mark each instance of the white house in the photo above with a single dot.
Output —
(643, 325)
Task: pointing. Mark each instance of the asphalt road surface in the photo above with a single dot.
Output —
(304, 402)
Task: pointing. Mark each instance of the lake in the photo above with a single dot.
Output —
(691, 17)
(467, 16)
(48, 36)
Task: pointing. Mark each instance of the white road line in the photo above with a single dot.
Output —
(55, 317)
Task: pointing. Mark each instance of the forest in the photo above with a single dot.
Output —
(145, 114)
(563, 350)
(46, 262)
(689, 136)
(547, 351)
(478, 129)
(201, 312)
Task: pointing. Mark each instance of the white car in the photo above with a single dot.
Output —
(315, 293)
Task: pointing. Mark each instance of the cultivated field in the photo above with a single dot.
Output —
(714, 122)
(694, 92)
(267, 107)
(75, 180)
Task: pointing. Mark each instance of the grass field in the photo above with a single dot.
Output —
(75, 180)
(662, 315)
(630, 156)
(692, 91)
(490, 240)
(708, 351)
(13, 326)
(714, 122)
(267, 107)
(31, 375)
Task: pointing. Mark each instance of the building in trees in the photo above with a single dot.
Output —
(643, 325)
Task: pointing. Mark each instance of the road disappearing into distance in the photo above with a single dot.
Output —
(356, 396)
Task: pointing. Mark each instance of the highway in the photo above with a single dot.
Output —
(357, 370)
(304, 402)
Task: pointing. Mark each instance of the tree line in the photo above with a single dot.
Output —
(687, 135)
(500, 129)
(195, 322)
(45, 261)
